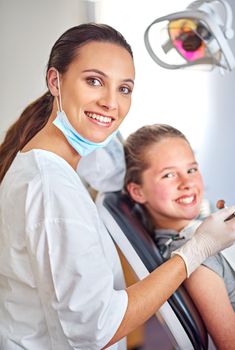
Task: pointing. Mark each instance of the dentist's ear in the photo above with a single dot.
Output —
(52, 81)
(136, 192)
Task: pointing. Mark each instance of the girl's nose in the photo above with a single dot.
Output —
(185, 182)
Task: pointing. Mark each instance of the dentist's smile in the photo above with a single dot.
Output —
(99, 118)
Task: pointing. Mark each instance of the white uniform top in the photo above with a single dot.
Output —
(61, 282)
(108, 167)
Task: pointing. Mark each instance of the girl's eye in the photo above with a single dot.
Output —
(94, 82)
(125, 90)
(192, 170)
(168, 175)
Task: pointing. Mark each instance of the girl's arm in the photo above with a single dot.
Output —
(146, 296)
(209, 294)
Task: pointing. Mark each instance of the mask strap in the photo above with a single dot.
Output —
(59, 101)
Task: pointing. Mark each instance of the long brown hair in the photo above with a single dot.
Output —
(137, 145)
(36, 115)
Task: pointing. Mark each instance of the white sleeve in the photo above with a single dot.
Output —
(74, 279)
(104, 169)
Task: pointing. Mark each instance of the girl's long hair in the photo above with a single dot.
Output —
(137, 145)
(36, 115)
(136, 148)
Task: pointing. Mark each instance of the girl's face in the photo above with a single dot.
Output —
(96, 89)
(172, 186)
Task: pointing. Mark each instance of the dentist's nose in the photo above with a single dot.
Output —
(108, 100)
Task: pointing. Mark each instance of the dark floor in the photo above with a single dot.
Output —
(155, 336)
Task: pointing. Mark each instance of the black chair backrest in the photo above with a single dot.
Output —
(122, 209)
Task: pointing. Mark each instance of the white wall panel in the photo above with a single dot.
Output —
(28, 29)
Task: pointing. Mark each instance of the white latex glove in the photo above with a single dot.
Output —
(213, 235)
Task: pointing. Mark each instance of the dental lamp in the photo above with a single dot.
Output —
(197, 36)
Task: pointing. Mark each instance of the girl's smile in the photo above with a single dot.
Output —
(171, 187)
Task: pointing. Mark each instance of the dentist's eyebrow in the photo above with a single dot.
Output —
(105, 75)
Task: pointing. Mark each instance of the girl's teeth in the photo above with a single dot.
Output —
(186, 200)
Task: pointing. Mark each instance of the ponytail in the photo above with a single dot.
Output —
(32, 120)
(36, 115)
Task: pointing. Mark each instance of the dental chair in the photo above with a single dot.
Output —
(181, 319)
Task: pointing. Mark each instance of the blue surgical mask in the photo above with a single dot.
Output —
(82, 145)
(79, 143)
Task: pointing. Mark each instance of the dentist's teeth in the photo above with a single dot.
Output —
(100, 118)
(186, 200)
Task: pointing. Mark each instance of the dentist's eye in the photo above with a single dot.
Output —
(125, 90)
(94, 82)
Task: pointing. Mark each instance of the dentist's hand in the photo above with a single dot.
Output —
(213, 235)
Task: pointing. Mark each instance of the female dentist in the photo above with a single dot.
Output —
(59, 270)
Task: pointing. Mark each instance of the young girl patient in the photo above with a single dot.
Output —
(163, 176)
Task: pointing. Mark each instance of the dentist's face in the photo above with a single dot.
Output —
(96, 89)
(172, 186)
